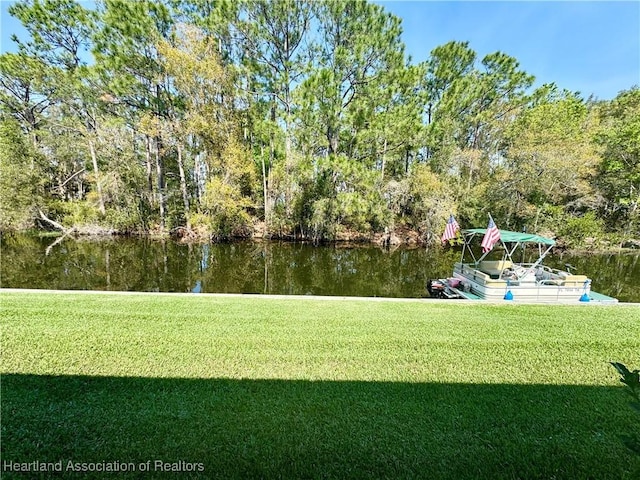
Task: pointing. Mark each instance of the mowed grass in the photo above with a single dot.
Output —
(255, 387)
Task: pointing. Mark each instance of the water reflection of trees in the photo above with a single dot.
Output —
(615, 275)
(134, 264)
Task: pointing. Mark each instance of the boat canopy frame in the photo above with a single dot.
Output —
(506, 236)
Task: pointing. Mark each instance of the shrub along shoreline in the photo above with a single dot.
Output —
(281, 387)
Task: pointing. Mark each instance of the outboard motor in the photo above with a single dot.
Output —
(436, 288)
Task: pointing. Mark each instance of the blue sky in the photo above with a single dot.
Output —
(587, 46)
(591, 47)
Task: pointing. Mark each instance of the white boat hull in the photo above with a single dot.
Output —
(481, 285)
(504, 279)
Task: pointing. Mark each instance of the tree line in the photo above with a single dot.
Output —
(295, 119)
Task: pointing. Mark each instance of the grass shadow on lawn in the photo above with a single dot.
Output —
(323, 429)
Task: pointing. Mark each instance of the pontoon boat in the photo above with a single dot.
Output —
(506, 279)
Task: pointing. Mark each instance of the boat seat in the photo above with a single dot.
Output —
(494, 268)
(486, 279)
(550, 282)
(574, 280)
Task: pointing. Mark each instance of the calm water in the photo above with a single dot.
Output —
(135, 264)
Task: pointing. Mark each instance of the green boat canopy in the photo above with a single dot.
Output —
(513, 237)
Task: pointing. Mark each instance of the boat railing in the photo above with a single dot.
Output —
(554, 276)
(519, 274)
(476, 275)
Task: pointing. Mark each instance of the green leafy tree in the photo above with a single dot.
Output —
(126, 54)
(448, 69)
(60, 31)
(357, 104)
(549, 160)
(60, 34)
(275, 35)
(203, 127)
(387, 121)
(473, 108)
(20, 181)
(619, 173)
(25, 93)
(429, 203)
(358, 43)
(337, 196)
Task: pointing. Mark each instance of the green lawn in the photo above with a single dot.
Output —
(304, 388)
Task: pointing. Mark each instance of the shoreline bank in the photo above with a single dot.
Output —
(404, 238)
(332, 298)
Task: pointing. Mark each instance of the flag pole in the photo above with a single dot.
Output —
(484, 254)
(508, 255)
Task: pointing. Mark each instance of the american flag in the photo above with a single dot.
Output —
(450, 230)
(491, 236)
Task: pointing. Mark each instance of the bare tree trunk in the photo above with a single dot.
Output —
(183, 187)
(384, 158)
(265, 193)
(199, 179)
(96, 173)
(55, 224)
(333, 138)
(406, 161)
(65, 231)
(34, 140)
(160, 181)
(147, 153)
